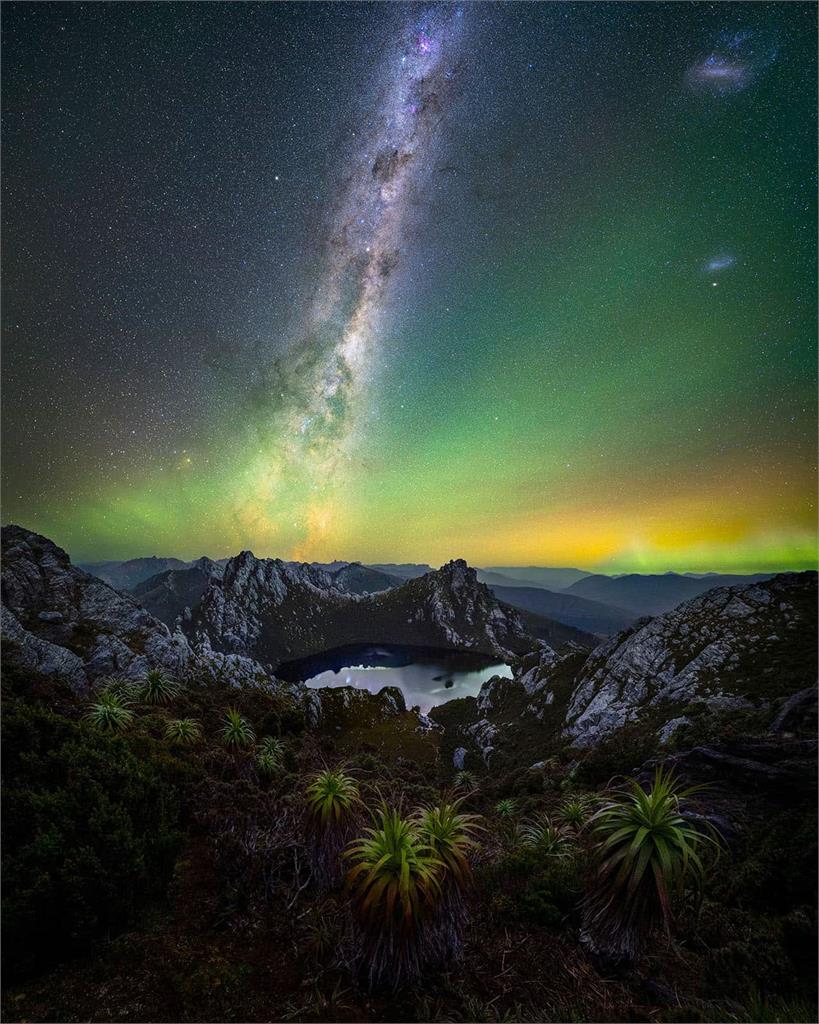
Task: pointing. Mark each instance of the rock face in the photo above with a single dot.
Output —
(731, 648)
(277, 611)
(62, 622)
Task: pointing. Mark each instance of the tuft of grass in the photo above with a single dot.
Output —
(236, 730)
(110, 712)
(183, 730)
(645, 849)
(157, 688)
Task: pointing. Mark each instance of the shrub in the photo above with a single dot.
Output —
(89, 836)
(157, 688)
(526, 885)
(645, 848)
(236, 731)
(110, 712)
(183, 730)
(506, 808)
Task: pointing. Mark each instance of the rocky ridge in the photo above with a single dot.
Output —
(62, 622)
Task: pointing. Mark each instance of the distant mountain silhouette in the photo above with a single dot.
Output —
(539, 576)
(579, 612)
(653, 595)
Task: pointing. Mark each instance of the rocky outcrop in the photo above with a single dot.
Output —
(733, 648)
(62, 622)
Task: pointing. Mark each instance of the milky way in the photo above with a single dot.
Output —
(317, 421)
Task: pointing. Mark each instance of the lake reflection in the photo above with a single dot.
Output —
(426, 677)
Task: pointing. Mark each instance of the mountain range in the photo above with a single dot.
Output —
(590, 602)
(745, 648)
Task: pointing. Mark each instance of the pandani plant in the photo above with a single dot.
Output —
(451, 835)
(183, 730)
(541, 834)
(236, 732)
(574, 812)
(645, 852)
(110, 712)
(157, 688)
(466, 780)
(269, 757)
(394, 881)
(333, 801)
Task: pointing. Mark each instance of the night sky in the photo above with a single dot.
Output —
(520, 283)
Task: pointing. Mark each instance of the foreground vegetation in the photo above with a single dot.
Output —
(205, 857)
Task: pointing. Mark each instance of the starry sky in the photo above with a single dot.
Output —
(520, 283)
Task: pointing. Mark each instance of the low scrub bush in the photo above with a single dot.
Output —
(90, 835)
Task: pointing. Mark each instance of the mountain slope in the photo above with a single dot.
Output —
(591, 616)
(170, 594)
(653, 594)
(404, 570)
(356, 578)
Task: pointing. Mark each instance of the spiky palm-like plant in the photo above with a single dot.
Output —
(574, 812)
(645, 851)
(157, 688)
(110, 712)
(331, 796)
(183, 730)
(332, 801)
(542, 835)
(466, 779)
(395, 885)
(267, 765)
(236, 730)
(125, 688)
(269, 757)
(506, 808)
(450, 835)
(272, 746)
